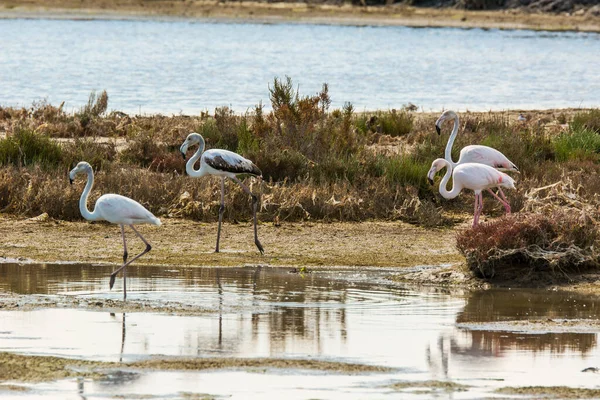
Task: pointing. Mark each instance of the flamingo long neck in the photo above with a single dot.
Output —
(448, 153)
(90, 216)
(189, 167)
(455, 188)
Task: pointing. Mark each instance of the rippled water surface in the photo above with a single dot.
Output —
(188, 66)
(423, 334)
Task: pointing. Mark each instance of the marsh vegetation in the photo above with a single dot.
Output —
(318, 163)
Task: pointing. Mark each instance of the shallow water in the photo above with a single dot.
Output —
(188, 66)
(423, 333)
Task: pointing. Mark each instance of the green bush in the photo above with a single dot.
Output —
(577, 144)
(25, 147)
(589, 120)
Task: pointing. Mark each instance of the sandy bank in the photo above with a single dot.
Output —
(260, 12)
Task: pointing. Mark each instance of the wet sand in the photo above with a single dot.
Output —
(20, 368)
(262, 12)
(186, 243)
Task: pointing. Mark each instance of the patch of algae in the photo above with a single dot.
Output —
(14, 367)
(221, 363)
(22, 368)
(551, 392)
(444, 386)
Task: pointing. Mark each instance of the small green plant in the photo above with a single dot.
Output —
(588, 120)
(404, 170)
(396, 123)
(577, 144)
(25, 147)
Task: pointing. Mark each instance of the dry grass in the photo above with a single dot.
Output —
(318, 164)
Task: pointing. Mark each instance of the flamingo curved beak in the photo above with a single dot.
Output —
(70, 180)
(437, 128)
(183, 155)
(430, 181)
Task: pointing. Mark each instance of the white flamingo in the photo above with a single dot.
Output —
(475, 154)
(116, 209)
(473, 176)
(225, 164)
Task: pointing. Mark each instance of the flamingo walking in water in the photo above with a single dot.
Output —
(225, 164)
(476, 177)
(475, 154)
(116, 209)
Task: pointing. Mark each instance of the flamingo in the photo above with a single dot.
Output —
(115, 209)
(225, 164)
(475, 153)
(473, 176)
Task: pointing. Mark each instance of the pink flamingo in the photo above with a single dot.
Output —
(475, 153)
(473, 176)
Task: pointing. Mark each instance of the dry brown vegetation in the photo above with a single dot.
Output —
(531, 246)
(318, 163)
(553, 237)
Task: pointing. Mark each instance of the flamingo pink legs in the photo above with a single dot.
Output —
(479, 205)
(478, 208)
(501, 200)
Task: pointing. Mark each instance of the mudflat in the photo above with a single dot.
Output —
(188, 243)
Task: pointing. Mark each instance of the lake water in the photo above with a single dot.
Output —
(257, 312)
(174, 66)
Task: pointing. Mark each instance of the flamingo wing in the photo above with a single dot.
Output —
(477, 177)
(228, 161)
(123, 210)
(487, 156)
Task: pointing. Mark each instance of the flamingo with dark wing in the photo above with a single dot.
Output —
(225, 164)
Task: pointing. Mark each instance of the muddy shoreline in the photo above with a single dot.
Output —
(187, 243)
(260, 12)
(421, 256)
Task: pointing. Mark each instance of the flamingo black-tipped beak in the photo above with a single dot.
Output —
(439, 131)
(183, 155)
(70, 181)
(430, 181)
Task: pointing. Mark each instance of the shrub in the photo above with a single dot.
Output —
(25, 147)
(588, 120)
(98, 154)
(396, 123)
(517, 245)
(578, 143)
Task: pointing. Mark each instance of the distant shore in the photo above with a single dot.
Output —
(262, 12)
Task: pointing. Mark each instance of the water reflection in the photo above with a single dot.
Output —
(539, 305)
(426, 333)
(522, 304)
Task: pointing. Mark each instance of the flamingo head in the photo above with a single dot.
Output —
(191, 139)
(82, 166)
(446, 115)
(436, 165)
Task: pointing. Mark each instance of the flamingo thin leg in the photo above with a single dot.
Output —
(503, 201)
(115, 272)
(504, 198)
(476, 211)
(480, 206)
(254, 207)
(221, 210)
